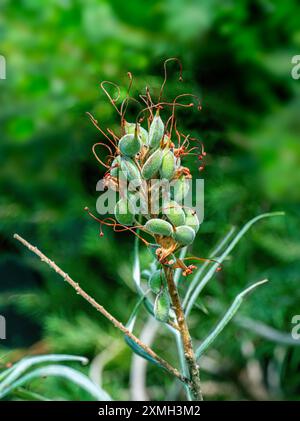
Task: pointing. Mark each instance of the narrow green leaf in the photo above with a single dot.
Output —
(132, 318)
(220, 259)
(59, 371)
(136, 264)
(199, 271)
(267, 332)
(28, 395)
(5, 373)
(137, 349)
(136, 274)
(226, 318)
(19, 368)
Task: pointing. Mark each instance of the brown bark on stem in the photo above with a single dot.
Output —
(194, 381)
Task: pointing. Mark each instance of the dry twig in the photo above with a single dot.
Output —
(101, 309)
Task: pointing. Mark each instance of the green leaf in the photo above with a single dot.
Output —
(132, 318)
(199, 271)
(136, 264)
(28, 395)
(68, 373)
(19, 368)
(267, 332)
(226, 318)
(136, 274)
(212, 270)
(137, 349)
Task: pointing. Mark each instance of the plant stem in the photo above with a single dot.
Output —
(101, 309)
(194, 380)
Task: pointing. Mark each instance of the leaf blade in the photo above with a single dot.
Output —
(60, 371)
(231, 246)
(226, 318)
(19, 368)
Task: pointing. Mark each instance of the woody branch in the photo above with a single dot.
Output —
(172, 370)
(194, 381)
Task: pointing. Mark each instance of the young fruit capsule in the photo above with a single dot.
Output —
(152, 164)
(138, 202)
(115, 166)
(124, 212)
(156, 281)
(168, 165)
(130, 129)
(184, 235)
(130, 145)
(162, 306)
(175, 213)
(191, 219)
(130, 171)
(181, 189)
(156, 131)
(159, 227)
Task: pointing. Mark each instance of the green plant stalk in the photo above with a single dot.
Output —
(189, 355)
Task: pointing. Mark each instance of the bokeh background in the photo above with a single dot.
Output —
(237, 57)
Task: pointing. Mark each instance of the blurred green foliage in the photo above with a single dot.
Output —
(237, 57)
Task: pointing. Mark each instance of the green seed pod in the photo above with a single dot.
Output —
(115, 166)
(130, 170)
(159, 227)
(162, 306)
(181, 189)
(124, 212)
(152, 164)
(138, 202)
(184, 235)
(156, 131)
(191, 219)
(156, 281)
(130, 145)
(175, 213)
(130, 129)
(168, 164)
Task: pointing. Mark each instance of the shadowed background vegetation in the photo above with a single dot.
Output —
(237, 57)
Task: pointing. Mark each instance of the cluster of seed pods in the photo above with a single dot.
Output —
(142, 154)
(141, 157)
